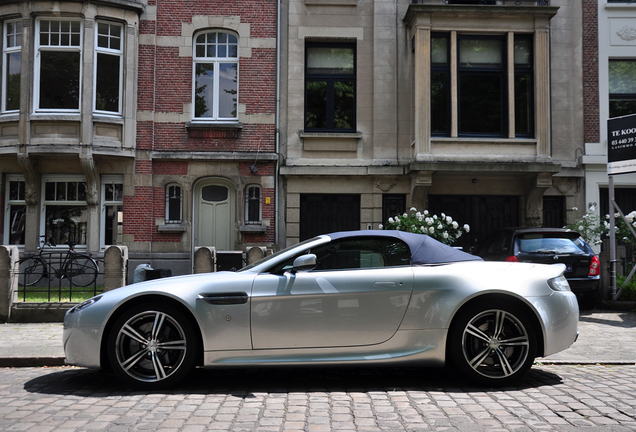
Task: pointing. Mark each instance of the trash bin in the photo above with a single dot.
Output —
(140, 272)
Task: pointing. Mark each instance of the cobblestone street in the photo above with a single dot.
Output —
(552, 397)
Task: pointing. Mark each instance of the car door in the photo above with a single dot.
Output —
(357, 295)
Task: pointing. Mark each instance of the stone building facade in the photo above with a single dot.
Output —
(471, 108)
(139, 123)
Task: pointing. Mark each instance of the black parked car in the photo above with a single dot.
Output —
(550, 246)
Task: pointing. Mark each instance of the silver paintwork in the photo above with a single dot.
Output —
(397, 315)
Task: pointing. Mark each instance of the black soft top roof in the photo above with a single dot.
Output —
(424, 249)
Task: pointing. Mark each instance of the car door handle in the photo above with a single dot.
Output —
(385, 284)
(230, 298)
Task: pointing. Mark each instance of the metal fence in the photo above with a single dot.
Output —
(59, 277)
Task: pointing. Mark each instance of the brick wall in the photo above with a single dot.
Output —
(165, 87)
(590, 71)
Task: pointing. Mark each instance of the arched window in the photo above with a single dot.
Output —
(174, 199)
(253, 205)
(215, 82)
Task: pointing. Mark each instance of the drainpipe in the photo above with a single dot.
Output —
(277, 126)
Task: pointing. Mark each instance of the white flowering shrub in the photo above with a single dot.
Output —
(590, 226)
(442, 228)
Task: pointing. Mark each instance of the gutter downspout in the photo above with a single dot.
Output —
(277, 126)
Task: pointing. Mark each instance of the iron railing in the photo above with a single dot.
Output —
(53, 277)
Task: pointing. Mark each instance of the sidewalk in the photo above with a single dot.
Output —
(605, 337)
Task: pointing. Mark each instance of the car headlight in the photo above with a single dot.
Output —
(559, 283)
(85, 304)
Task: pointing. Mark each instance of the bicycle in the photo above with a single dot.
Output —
(80, 269)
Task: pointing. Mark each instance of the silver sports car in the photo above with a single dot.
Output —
(346, 298)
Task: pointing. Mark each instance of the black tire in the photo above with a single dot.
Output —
(492, 344)
(81, 270)
(152, 346)
(32, 270)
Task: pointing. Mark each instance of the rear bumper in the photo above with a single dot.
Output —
(586, 285)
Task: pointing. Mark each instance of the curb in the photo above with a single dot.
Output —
(14, 362)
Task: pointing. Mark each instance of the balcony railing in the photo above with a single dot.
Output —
(486, 2)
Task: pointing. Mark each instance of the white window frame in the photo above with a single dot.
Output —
(108, 180)
(6, 50)
(44, 202)
(58, 48)
(8, 203)
(113, 52)
(216, 61)
(167, 219)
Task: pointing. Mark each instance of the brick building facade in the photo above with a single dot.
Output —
(140, 123)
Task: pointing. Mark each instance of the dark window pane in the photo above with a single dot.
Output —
(204, 89)
(440, 102)
(81, 191)
(108, 192)
(66, 223)
(71, 191)
(59, 80)
(480, 105)
(13, 69)
(49, 191)
(60, 194)
(17, 218)
(107, 83)
(114, 225)
(523, 104)
(174, 204)
(214, 193)
(619, 108)
(16, 190)
(316, 101)
(343, 101)
(253, 205)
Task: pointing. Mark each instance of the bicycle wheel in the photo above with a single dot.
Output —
(81, 270)
(32, 270)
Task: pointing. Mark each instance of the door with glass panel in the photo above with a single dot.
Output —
(214, 212)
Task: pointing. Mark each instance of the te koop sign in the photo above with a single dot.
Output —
(621, 145)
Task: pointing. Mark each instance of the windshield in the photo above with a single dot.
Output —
(281, 254)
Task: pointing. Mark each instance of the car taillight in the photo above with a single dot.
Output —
(512, 258)
(595, 267)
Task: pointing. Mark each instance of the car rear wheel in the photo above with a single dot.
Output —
(492, 344)
(152, 346)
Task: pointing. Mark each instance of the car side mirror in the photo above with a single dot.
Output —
(304, 263)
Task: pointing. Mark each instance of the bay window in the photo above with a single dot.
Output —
(479, 71)
(108, 68)
(58, 46)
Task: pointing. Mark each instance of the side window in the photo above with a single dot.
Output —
(108, 68)
(253, 205)
(58, 65)
(15, 214)
(174, 200)
(113, 210)
(12, 65)
(372, 252)
(215, 84)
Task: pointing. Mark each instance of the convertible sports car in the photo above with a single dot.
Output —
(347, 298)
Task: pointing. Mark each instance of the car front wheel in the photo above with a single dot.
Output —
(152, 346)
(493, 344)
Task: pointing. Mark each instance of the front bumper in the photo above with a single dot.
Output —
(81, 344)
